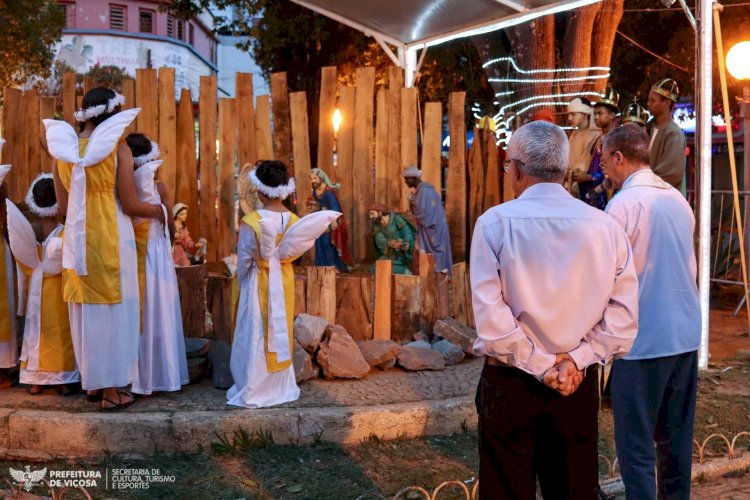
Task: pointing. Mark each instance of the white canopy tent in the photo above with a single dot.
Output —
(410, 25)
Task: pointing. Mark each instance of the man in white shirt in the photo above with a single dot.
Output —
(654, 386)
(554, 292)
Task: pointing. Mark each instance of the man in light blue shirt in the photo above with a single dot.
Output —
(654, 386)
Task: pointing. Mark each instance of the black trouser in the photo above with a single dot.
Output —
(528, 431)
(653, 400)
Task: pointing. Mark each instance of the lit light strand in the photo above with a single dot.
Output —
(502, 110)
(549, 80)
(544, 70)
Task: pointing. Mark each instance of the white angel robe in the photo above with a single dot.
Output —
(105, 336)
(162, 363)
(255, 386)
(9, 338)
(31, 298)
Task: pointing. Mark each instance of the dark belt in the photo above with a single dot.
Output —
(489, 360)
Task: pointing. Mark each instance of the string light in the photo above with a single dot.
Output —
(544, 70)
(546, 96)
(549, 80)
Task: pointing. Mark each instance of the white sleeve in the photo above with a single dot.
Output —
(247, 251)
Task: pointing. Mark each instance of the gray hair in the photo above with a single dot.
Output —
(632, 142)
(542, 149)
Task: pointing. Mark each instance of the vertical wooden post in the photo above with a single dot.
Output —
(300, 300)
(88, 84)
(383, 284)
(322, 302)
(442, 286)
(428, 299)
(492, 177)
(325, 121)
(46, 110)
(432, 145)
(263, 140)
(245, 119)
(32, 131)
(227, 170)
(363, 167)
(345, 153)
(455, 192)
(460, 306)
(186, 190)
(207, 129)
(301, 148)
(395, 181)
(282, 133)
(13, 151)
(406, 304)
(408, 140)
(146, 98)
(69, 97)
(381, 149)
(128, 92)
(354, 306)
(167, 129)
(476, 179)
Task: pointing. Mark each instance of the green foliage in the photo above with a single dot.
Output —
(242, 441)
(29, 30)
(109, 76)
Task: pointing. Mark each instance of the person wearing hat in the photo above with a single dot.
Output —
(426, 205)
(667, 153)
(330, 247)
(183, 243)
(393, 236)
(635, 114)
(605, 111)
(580, 116)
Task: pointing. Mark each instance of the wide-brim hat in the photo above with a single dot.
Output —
(667, 88)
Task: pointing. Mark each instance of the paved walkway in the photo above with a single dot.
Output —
(378, 388)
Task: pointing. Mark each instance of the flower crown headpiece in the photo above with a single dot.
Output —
(283, 191)
(150, 156)
(50, 211)
(88, 113)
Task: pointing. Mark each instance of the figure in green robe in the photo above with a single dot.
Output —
(393, 236)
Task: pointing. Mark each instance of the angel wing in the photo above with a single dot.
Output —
(4, 169)
(302, 235)
(145, 183)
(23, 242)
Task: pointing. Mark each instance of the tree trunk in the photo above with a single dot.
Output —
(577, 44)
(533, 46)
(603, 36)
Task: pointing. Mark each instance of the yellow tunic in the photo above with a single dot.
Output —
(287, 271)
(102, 283)
(5, 314)
(55, 343)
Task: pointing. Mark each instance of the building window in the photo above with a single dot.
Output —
(170, 26)
(191, 34)
(117, 17)
(69, 9)
(181, 30)
(146, 20)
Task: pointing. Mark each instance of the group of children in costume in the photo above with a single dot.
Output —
(99, 293)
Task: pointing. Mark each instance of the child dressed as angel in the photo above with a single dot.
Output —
(270, 240)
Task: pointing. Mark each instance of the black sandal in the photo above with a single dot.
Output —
(118, 406)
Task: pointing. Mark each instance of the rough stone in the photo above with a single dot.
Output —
(436, 339)
(417, 358)
(196, 348)
(419, 344)
(309, 330)
(449, 351)
(339, 356)
(420, 335)
(379, 353)
(304, 369)
(197, 369)
(459, 334)
(220, 355)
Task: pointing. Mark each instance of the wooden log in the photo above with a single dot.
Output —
(460, 306)
(227, 172)
(432, 145)
(408, 140)
(128, 92)
(442, 295)
(146, 98)
(381, 148)
(191, 281)
(282, 129)
(321, 299)
(301, 148)
(300, 299)
(428, 298)
(327, 106)
(263, 138)
(354, 306)
(89, 83)
(394, 180)
(219, 303)
(383, 289)
(69, 97)
(245, 119)
(167, 129)
(476, 179)
(469, 307)
(492, 176)
(13, 150)
(405, 313)
(46, 110)
(32, 130)
(455, 197)
(345, 157)
(186, 190)
(208, 174)
(363, 159)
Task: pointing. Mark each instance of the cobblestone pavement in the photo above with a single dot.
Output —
(392, 386)
(726, 488)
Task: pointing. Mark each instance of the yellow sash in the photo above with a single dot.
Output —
(5, 313)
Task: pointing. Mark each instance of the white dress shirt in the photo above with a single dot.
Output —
(659, 223)
(551, 275)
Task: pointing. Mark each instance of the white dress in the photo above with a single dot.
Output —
(162, 363)
(254, 386)
(105, 336)
(31, 297)
(9, 348)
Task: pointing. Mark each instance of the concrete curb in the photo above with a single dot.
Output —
(46, 435)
